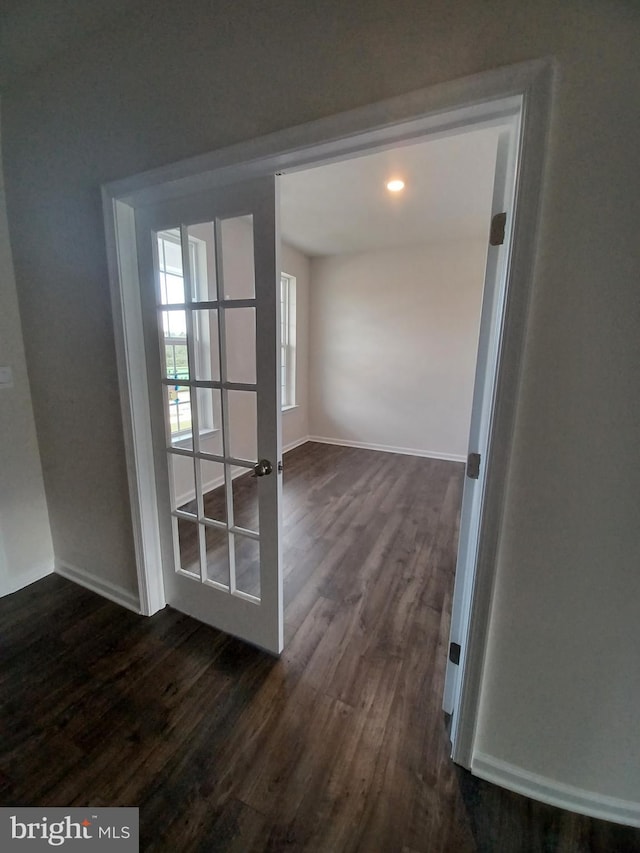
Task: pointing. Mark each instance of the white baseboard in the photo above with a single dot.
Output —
(237, 472)
(102, 587)
(211, 485)
(36, 573)
(385, 448)
(555, 793)
(405, 451)
(206, 487)
(296, 443)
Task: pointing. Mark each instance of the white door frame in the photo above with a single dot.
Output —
(486, 99)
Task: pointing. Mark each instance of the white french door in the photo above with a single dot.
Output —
(209, 281)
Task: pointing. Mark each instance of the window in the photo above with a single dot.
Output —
(288, 340)
(174, 323)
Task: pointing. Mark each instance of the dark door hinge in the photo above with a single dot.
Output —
(496, 235)
(454, 653)
(473, 466)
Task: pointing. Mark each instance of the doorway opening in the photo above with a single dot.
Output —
(389, 304)
(239, 182)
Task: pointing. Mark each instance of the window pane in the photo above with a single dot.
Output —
(174, 324)
(170, 267)
(202, 259)
(172, 252)
(174, 289)
(284, 319)
(178, 407)
(287, 339)
(176, 362)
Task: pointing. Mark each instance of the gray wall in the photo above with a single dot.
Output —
(26, 552)
(562, 679)
(393, 344)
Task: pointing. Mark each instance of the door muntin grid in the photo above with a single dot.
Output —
(215, 519)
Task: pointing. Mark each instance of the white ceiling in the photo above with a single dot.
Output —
(345, 207)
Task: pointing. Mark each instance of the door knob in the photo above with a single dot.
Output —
(262, 468)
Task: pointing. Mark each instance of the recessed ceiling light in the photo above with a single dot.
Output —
(395, 186)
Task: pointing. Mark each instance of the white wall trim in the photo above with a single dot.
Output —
(209, 486)
(298, 442)
(518, 286)
(387, 448)
(439, 109)
(122, 260)
(555, 793)
(101, 587)
(236, 472)
(36, 573)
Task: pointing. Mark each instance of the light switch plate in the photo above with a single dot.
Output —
(6, 377)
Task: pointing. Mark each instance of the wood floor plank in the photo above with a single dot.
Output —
(327, 821)
(340, 746)
(236, 828)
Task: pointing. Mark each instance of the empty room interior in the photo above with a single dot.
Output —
(388, 298)
(238, 611)
(381, 294)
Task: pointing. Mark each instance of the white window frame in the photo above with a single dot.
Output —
(288, 357)
(197, 259)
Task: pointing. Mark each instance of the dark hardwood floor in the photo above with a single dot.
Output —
(338, 746)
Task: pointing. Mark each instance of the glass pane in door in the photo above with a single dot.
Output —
(238, 265)
(183, 484)
(188, 557)
(240, 336)
(206, 345)
(170, 271)
(242, 408)
(217, 555)
(247, 560)
(202, 262)
(178, 415)
(245, 501)
(210, 421)
(208, 348)
(214, 496)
